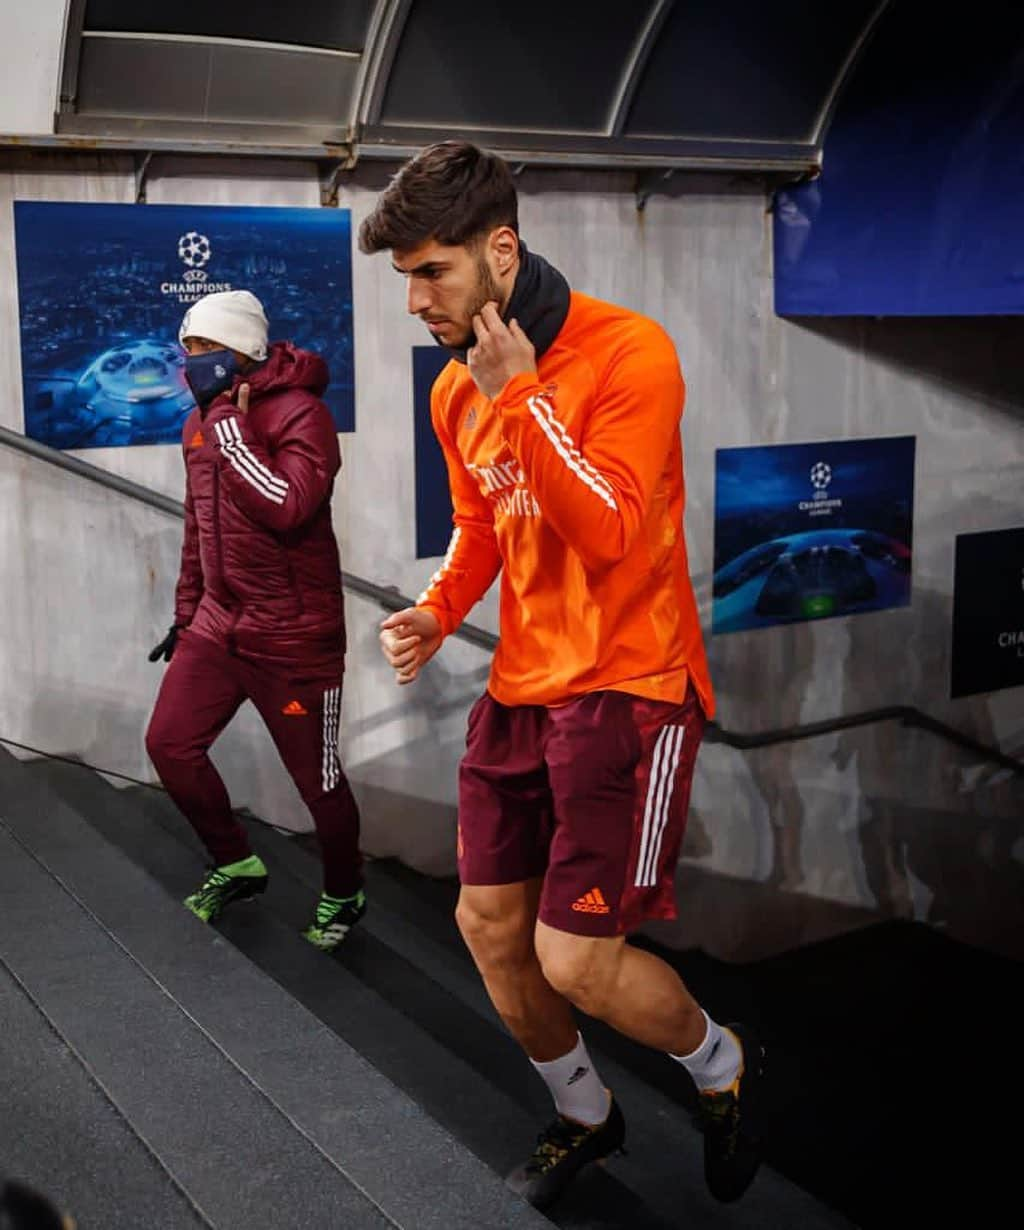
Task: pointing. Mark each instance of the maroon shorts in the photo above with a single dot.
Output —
(592, 796)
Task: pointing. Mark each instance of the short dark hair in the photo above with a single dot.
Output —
(452, 192)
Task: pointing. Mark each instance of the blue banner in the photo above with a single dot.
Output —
(811, 531)
(103, 288)
(433, 499)
(917, 211)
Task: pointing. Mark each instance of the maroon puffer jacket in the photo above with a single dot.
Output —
(259, 565)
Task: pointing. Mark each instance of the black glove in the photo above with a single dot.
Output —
(166, 646)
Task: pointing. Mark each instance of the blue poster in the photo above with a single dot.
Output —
(103, 288)
(811, 531)
(433, 497)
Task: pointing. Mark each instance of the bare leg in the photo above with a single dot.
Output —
(633, 991)
(497, 923)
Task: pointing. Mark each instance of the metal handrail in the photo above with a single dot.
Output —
(907, 714)
(391, 599)
(387, 596)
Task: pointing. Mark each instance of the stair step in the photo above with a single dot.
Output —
(309, 1114)
(478, 1081)
(410, 916)
(61, 1134)
(226, 1144)
(658, 1097)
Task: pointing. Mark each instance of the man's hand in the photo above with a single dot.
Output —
(242, 401)
(501, 352)
(409, 639)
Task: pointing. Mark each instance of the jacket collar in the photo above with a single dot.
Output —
(539, 302)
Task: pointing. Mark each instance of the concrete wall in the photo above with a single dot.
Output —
(875, 822)
(32, 37)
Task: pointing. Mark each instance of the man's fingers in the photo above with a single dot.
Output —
(243, 398)
(400, 651)
(398, 619)
(400, 638)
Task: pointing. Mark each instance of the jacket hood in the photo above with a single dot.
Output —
(287, 367)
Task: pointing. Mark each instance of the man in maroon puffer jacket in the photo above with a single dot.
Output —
(258, 611)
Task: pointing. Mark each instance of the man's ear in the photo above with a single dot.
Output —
(503, 243)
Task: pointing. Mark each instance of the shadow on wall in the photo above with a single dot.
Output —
(870, 823)
(940, 834)
(975, 356)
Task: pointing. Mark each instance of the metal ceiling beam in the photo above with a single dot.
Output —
(595, 151)
(382, 39)
(635, 66)
(394, 145)
(71, 143)
(211, 40)
(71, 53)
(828, 107)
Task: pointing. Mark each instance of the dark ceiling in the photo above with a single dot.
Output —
(652, 83)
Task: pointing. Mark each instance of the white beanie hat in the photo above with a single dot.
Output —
(234, 318)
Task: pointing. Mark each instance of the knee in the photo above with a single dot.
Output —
(497, 939)
(165, 747)
(157, 742)
(583, 970)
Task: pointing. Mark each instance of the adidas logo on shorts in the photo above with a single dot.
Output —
(592, 903)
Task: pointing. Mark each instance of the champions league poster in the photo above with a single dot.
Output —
(988, 612)
(103, 288)
(811, 531)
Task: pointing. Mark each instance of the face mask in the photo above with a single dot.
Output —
(210, 374)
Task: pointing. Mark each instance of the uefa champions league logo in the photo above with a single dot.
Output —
(194, 249)
(821, 475)
(820, 505)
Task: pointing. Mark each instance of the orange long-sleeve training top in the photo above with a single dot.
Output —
(571, 484)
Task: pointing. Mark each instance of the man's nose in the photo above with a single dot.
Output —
(418, 298)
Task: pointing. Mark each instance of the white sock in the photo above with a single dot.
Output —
(716, 1063)
(575, 1086)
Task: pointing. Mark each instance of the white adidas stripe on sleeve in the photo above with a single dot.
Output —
(564, 445)
(242, 460)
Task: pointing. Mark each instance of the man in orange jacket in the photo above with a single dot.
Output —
(559, 420)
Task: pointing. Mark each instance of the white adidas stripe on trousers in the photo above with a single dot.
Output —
(331, 765)
(667, 750)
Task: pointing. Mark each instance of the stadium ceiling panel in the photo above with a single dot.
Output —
(652, 83)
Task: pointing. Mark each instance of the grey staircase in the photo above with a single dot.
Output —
(259, 1083)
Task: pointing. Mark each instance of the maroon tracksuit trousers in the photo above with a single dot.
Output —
(202, 689)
